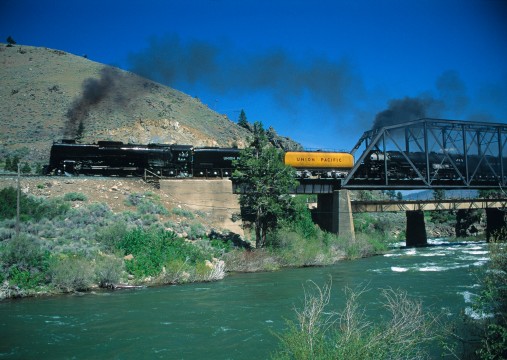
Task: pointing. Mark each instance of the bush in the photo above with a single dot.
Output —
(71, 273)
(146, 203)
(183, 213)
(493, 300)
(152, 249)
(251, 260)
(108, 271)
(110, 236)
(24, 262)
(294, 249)
(30, 207)
(348, 334)
(75, 196)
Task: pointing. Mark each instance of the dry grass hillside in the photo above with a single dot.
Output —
(46, 93)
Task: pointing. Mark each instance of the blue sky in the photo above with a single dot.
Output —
(317, 71)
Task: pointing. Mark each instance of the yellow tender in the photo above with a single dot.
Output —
(319, 160)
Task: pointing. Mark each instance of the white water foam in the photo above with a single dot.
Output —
(432, 268)
(398, 269)
(476, 314)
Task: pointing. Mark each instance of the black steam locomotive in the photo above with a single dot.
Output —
(114, 158)
(439, 166)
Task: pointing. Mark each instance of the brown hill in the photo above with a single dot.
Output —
(46, 94)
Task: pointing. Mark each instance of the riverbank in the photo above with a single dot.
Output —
(69, 241)
(83, 234)
(235, 318)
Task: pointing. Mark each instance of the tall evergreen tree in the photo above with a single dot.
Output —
(267, 183)
(80, 131)
(242, 119)
(10, 41)
(26, 169)
(14, 163)
(7, 166)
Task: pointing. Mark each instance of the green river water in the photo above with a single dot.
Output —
(231, 319)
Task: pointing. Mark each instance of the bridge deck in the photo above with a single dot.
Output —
(427, 205)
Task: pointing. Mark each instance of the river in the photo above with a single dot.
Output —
(231, 319)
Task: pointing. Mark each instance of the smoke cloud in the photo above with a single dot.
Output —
(94, 91)
(407, 109)
(170, 61)
(453, 92)
(452, 99)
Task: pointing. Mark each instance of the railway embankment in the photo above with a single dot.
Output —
(212, 198)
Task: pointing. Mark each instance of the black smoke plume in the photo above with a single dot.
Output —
(407, 109)
(94, 91)
(173, 62)
(452, 98)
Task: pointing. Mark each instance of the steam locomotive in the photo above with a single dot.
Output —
(114, 158)
(402, 166)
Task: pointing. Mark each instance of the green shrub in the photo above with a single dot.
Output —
(177, 271)
(147, 203)
(251, 260)
(183, 213)
(108, 270)
(111, 235)
(493, 300)
(153, 248)
(75, 196)
(25, 279)
(293, 249)
(71, 273)
(196, 231)
(24, 252)
(30, 207)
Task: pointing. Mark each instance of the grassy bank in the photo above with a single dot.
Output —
(65, 244)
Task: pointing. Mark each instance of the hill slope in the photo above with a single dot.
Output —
(46, 94)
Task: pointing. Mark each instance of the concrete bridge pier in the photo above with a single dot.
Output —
(416, 229)
(495, 221)
(334, 213)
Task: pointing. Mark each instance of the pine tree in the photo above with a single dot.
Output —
(80, 131)
(7, 166)
(267, 182)
(26, 169)
(10, 41)
(242, 119)
(14, 164)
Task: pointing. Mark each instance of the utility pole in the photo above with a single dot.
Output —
(18, 200)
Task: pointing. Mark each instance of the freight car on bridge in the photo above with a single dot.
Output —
(320, 164)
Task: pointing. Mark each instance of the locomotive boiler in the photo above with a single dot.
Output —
(438, 166)
(114, 158)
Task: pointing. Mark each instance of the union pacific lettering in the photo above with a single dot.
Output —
(307, 159)
(330, 159)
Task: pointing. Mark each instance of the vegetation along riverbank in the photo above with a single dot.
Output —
(71, 243)
(107, 234)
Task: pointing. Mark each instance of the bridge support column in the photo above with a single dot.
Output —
(495, 220)
(416, 229)
(335, 213)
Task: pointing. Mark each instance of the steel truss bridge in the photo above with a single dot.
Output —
(423, 154)
(431, 154)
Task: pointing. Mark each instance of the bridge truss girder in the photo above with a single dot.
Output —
(431, 154)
